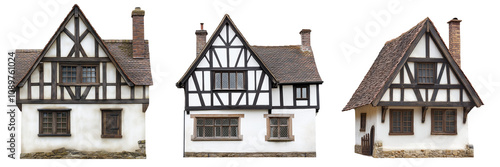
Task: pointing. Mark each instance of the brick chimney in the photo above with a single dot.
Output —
(201, 39)
(306, 40)
(455, 39)
(138, 44)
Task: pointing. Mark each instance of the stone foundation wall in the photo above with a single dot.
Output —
(379, 152)
(64, 153)
(357, 149)
(257, 154)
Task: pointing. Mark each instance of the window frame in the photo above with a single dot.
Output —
(295, 87)
(194, 136)
(79, 73)
(54, 122)
(417, 74)
(103, 122)
(391, 132)
(362, 124)
(290, 137)
(433, 132)
(229, 79)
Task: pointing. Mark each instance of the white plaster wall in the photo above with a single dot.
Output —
(422, 138)
(312, 97)
(419, 50)
(276, 96)
(253, 129)
(371, 119)
(287, 95)
(85, 128)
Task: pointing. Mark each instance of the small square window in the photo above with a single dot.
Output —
(425, 73)
(444, 122)
(279, 127)
(401, 122)
(54, 122)
(301, 92)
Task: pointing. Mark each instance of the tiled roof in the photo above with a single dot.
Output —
(25, 58)
(138, 70)
(385, 64)
(289, 64)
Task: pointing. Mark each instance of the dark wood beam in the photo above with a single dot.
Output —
(424, 111)
(74, 59)
(384, 111)
(433, 104)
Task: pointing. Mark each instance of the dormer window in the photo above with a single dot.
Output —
(79, 74)
(425, 73)
(229, 80)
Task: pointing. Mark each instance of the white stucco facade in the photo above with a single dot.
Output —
(253, 129)
(422, 137)
(85, 124)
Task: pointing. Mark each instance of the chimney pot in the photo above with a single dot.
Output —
(305, 40)
(454, 39)
(138, 43)
(201, 39)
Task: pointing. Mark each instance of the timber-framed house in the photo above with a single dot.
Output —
(415, 99)
(82, 92)
(238, 94)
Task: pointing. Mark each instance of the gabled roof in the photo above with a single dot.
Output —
(289, 64)
(137, 70)
(284, 64)
(28, 59)
(392, 58)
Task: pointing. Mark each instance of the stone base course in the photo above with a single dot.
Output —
(379, 152)
(256, 154)
(63, 153)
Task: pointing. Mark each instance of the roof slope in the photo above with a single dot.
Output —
(289, 64)
(385, 64)
(137, 70)
(391, 58)
(282, 63)
(25, 58)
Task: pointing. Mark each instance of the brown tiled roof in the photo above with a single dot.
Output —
(25, 58)
(138, 70)
(289, 64)
(385, 64)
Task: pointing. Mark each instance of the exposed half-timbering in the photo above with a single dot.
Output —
(83, 92)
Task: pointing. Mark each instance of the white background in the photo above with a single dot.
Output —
(170, 27)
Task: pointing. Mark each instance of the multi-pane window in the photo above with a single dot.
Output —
(401, 122)
(444, 121)
(54, 123)
(68, 74)
(79, 74)
(279, 127)
(425, 73)
(111, 123)
(216, 127)
(89, 74)
(301, 92)
(362, 125)
(229, 80)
